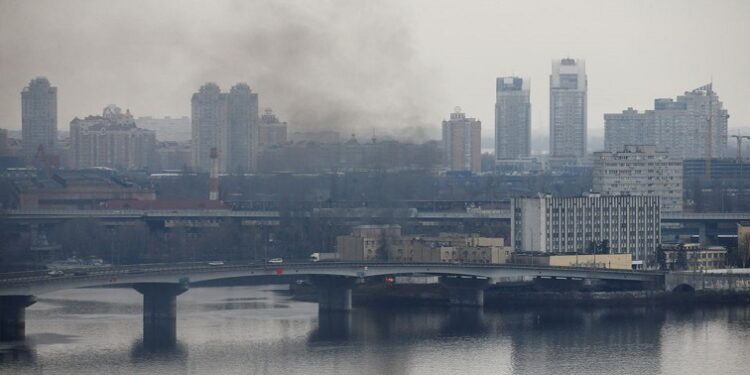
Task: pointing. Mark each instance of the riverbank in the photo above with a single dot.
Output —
(437, 295)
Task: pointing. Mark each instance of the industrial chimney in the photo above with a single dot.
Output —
(213, 182)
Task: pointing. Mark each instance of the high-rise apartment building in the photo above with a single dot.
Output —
(621, 224)
(38, 117)
(227, 122)
(512, 118)
(686, 128)
(209, 126)
(462, 138)
(568, 108)
(640, 170)
(271, 131)
(111, 140)
(242, 112)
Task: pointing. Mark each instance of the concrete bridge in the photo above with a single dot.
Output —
(729, 280)
(160, 285)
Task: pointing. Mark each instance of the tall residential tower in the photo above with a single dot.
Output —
(38, 117)
(242, 121)
(227, 122)
(462, 142)
(209, 123)
(567, 108)
(512, 118)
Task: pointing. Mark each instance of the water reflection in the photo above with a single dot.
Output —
(584, 341)
(16, 353)
(251, 330)
(332, 327)
(154, 351)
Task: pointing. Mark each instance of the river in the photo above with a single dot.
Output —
(260, 330)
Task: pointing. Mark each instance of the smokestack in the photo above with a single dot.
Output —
(213, 181)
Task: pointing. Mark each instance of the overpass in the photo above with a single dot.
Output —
(160, 284)
(412, 213)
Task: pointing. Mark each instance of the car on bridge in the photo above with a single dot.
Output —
(276, 260)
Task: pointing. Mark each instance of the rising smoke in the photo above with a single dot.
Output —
(341, 65)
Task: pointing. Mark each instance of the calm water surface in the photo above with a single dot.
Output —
(257, 330)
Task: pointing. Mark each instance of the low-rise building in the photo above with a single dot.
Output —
(694, 257)
(368, 242)
(76, 190)
(451, 248)
(612, 261)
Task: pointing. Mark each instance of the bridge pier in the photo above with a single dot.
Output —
(13, 317)
(465, 292)
(160, 311)
(334, 292)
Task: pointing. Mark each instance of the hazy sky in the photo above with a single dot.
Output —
(393, 66)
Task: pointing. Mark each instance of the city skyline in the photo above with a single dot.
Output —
(414, 89)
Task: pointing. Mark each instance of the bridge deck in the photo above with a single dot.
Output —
(40, 282)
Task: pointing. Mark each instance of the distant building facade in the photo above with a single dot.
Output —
(38, 118)
(696, 257)
(4, 145)
(89, 189)
(167, 129)
(227, 122)
(626, 224)
(319, 136)
(173, 156)
(451, 248)
(462, 138)
(512, 118)
(568, 108)
(242, 120)
(640, 170)
(368, 242)
(271, 131)
(111, 140)
(679, 127)
(611, 261)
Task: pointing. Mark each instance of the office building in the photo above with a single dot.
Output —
(111, 140)
(512, 118)
(640, 170)
(568, 108)
(271, 131)
(679, 127)
(462, 142)
(38, 118)
(611, 224)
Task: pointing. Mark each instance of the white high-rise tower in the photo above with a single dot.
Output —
(567, 108)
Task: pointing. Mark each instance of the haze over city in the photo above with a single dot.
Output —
(405, 187)
(391, 67)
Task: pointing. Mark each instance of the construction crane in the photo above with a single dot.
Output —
(739, 138)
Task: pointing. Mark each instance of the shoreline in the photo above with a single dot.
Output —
(436, 295)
